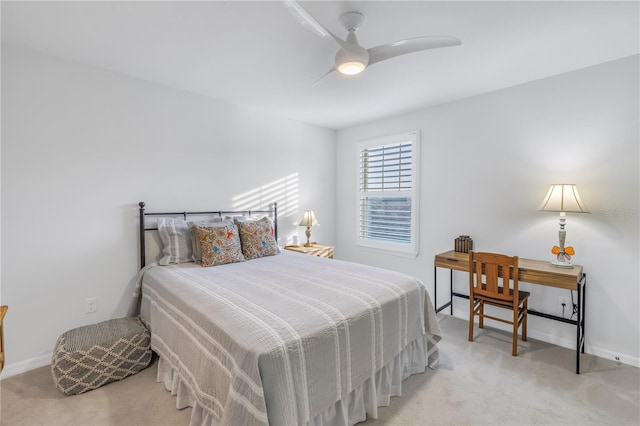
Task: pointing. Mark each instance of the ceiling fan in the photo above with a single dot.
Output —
(352, 58)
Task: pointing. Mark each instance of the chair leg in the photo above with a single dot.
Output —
(481, 315)
(471, 318)
(514, 344)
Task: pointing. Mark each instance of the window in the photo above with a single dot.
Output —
(388, 193)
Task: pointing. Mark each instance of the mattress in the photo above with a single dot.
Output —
(286, 339)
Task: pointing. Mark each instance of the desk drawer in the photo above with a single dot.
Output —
(453, 260)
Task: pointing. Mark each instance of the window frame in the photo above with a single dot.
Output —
(411, 249)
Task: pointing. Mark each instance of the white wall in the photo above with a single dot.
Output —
(488, 161)
(82, 146)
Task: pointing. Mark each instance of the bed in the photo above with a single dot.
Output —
(282, 338)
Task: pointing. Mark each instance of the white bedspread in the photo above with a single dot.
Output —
(279, 340)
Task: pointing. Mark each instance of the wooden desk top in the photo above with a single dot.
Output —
(531, 271)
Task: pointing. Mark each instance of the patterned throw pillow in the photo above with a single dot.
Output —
(195, 241)
(257, 238)
(219, 243)
(176, 241)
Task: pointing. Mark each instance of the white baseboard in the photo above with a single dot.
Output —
(621, 358)
(26, 365)
(565, 343)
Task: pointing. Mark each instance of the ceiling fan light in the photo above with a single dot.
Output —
(351, 59)
(351, 68)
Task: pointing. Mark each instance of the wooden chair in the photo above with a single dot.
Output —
(3, 311)
(499, 271)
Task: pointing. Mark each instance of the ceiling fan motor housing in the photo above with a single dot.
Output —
(351, 21)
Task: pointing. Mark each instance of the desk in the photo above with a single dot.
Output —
(531, 271)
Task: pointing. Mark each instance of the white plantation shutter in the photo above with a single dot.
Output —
(388, 202)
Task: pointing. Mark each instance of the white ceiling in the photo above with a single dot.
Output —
(257, 55)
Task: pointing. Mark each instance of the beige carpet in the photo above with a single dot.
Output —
(477, 383)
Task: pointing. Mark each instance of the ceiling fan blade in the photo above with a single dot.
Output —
(323, 76)
(308, 22)
(402, 47)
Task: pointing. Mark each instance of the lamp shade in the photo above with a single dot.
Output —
(309, 219)
(564, 198)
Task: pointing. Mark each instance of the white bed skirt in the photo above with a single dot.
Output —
(363, 401)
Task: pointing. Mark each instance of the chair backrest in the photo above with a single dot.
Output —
(493, 266)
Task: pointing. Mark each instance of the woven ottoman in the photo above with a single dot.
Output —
(88, 357)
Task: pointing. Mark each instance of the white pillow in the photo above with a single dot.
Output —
(176, 239)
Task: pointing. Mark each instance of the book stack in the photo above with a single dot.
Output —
(463, 244)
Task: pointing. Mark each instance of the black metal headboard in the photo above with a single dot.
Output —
(273, 211)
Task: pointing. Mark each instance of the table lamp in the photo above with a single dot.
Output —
(308, 220)
(563, 198)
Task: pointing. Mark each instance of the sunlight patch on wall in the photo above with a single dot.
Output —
(284, 191)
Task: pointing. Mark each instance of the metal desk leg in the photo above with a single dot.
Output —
(584, 310)
(578, 330)
(580, 321)
(451, 292)
(435, 292)
(435, 287)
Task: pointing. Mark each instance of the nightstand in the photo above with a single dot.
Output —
(314, 250)
(3, 311)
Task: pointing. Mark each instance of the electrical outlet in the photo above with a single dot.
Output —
(90, 305)
(566, 308)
